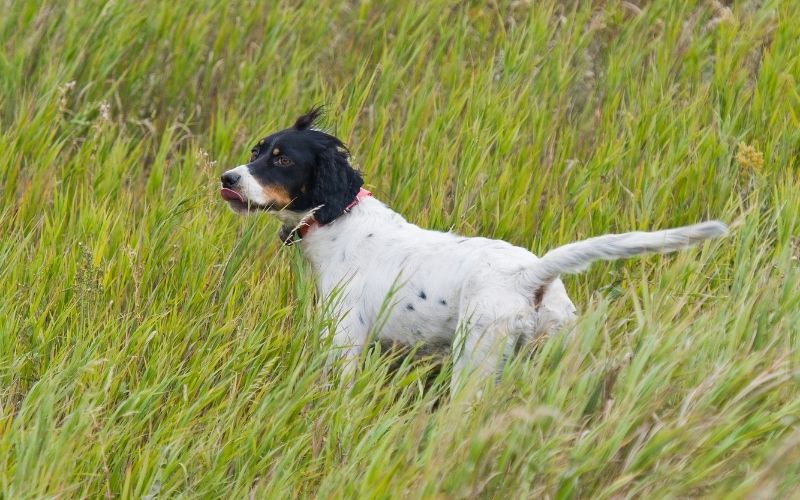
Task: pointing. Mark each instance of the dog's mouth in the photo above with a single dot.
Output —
(231, 195)
(239, 203)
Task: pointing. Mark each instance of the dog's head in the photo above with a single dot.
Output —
(292, 173)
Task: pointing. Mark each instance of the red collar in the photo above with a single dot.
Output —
(306, 225)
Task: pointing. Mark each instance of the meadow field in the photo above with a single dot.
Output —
(155, 345)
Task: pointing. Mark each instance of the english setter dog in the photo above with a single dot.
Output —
(398, 283)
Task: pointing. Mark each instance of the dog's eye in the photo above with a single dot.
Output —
(283, 161)
(253, 154)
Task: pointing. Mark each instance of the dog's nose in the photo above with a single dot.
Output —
(229, 179)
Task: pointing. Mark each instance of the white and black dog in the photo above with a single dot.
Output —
(408, 285)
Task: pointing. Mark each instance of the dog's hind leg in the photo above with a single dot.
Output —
(488, 331)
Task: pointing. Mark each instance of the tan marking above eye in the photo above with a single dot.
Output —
(277, 195)
(276, 152)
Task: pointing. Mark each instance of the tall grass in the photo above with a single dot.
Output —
(153, 344)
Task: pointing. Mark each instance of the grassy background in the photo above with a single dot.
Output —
(154, 344)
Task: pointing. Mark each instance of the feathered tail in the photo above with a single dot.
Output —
(575, 257)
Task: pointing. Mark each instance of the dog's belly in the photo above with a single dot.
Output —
(421, 306)
(422, 325)
(422, 303)
(419, 350)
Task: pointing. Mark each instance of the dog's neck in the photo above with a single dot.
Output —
(332, 248)
(298, 225)
(310, 223)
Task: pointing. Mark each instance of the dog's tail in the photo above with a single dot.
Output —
(576, 257)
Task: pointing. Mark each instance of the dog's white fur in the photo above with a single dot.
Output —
(404, 284)
(249, 187)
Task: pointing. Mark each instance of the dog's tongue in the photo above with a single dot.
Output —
(230, 195)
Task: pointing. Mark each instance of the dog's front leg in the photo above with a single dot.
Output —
(349, 337)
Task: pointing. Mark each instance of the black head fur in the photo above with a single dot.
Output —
(309, 119)
(336, 183)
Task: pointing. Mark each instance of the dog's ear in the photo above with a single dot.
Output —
(309, 119)
(335, 183)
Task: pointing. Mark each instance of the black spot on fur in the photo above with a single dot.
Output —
(361, 319)
(370, 235)
(422, 295)
(443, 302)
(410, 307)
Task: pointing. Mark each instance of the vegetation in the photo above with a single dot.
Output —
(154, 344)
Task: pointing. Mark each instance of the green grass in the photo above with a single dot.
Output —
(153, 343)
